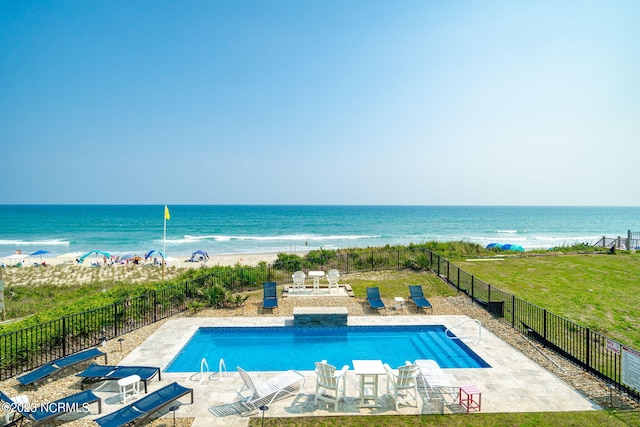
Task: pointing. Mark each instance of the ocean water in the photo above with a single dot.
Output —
(230, 229)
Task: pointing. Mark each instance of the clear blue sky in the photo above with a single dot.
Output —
(320, 102)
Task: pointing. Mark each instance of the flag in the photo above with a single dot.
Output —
(166, 213)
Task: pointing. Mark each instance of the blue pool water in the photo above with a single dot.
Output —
(282, 348)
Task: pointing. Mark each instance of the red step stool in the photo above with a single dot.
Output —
(467, 400)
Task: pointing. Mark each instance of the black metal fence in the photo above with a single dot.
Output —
(31, 347)
(597, 354)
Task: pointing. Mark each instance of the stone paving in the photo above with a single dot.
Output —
(513, 383)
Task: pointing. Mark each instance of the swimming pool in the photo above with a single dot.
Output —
(282, 348)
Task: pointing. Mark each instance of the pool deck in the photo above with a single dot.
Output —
(513, 383)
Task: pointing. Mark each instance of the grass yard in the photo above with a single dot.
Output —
(598, 291)
(535, 419)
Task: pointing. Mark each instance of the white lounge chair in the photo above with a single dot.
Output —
(264, 393)
(333, 276)
(435, 380)
(298, 281)
(402, 383)
(328, 379)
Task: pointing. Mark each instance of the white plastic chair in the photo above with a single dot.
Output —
(298, 281)
(333, 276)
(328, 379)
(402, 383)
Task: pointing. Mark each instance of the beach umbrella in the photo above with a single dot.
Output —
(152, 252)
(94, 252)
(202, 254)
(39, 253)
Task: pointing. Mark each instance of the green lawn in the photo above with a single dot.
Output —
(598, 291)
(531, 419)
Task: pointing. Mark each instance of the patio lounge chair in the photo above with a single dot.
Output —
(270, 298)
(402, 380)
(97, 373)
(328, 378)
(435, 380)
(50, 368)
(417, 296)
(264, 393)
(142, 409)
(375, 302)
(50, 411)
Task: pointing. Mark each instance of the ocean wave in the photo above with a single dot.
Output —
(507, 231)
(33, 243)
(189, 239)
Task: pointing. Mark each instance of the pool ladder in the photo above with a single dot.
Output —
(204, 369)
(477, 322)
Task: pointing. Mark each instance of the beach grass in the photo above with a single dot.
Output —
(597, 291)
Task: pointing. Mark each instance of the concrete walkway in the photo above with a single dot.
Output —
(513, 383)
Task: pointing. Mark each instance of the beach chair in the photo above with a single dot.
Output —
(375, 302)
(417, 296)
(328, 379)
(298, 281)
(254, 395)
(45, 413)
(435, 380)
(49, 369)
(270, 297)
(333, 276)
(402, 382)
(97, 373)
(138, 411)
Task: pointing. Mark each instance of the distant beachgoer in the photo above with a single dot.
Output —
(18, 251)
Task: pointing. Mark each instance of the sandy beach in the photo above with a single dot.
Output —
(61, 271)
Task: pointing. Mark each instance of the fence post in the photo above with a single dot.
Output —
(544, 328)
(155, 306)
(115, 319)
(588, 349)
(64, 336)
(438, 258)
(628, 240)
(473, 283)
(448, 269)
(458, 278)
(513, 311)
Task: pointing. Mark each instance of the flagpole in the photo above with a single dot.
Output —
(164, 241)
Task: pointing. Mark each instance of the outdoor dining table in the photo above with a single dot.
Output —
(368, 371)
(317, 275)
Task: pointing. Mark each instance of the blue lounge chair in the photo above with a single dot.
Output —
(46, 413)
(270, 298)
(97, 373)
(142, 409)
(375, 302)
(49, 369)
(417, 296)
